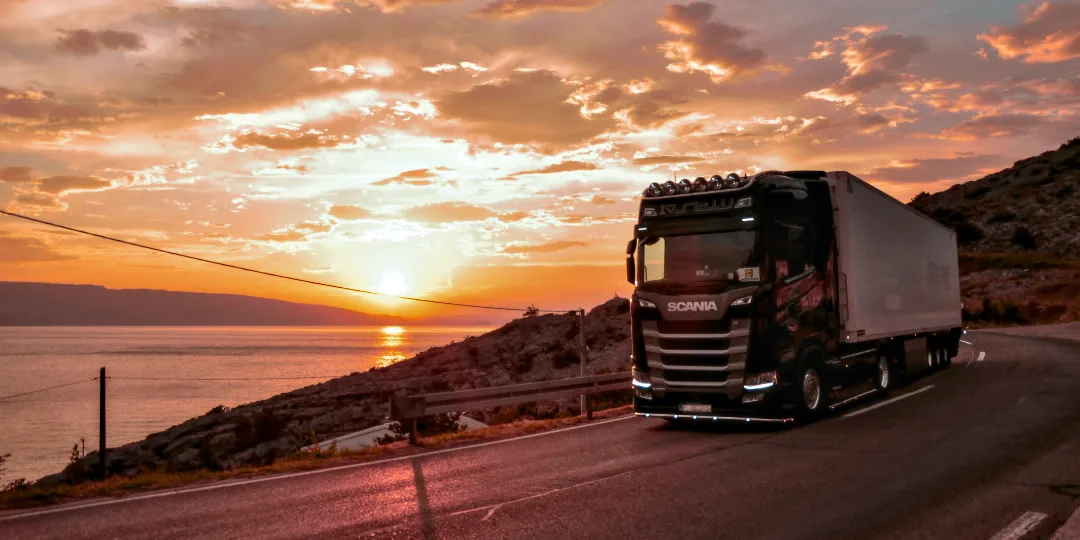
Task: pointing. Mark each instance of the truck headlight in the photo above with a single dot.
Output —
(759, 381)
(641, 380)
(645, 303)
(744, 301)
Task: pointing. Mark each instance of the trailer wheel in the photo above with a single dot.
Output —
(946, 357)
(884, 375)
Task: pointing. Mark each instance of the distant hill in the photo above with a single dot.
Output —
(1018, 232)
(48, 304)
(1032, 206)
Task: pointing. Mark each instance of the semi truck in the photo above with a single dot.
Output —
(784, 295)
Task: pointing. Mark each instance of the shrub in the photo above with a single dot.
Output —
(977, 192)
(919, 198)
(1003, 217)
(565, 358)
(1065, 191)
(1023, 238)
(967, 233)
(532, 311)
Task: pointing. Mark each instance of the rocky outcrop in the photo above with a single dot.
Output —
(1032, 206)
(527, 349)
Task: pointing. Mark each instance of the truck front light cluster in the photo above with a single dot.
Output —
(760, 381)
(645, 303)
(641, 380)
(744, 301)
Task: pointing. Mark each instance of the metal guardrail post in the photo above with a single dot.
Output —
(582, 355)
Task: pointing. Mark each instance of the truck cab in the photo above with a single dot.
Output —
(738, 309)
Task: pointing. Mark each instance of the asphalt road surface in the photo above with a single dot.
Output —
(988, 447)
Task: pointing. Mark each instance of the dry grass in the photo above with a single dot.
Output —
(302, 461)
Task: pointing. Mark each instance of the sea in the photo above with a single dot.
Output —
(157, 377)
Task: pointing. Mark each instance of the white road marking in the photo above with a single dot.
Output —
(886, 402)
(493, 507)
(966, 342)
(1023, 525)
(297, 474)
(982, 354)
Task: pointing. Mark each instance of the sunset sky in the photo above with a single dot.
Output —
(485, 151)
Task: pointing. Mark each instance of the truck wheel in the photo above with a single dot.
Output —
(946, 357)
(813, 396)
(884, 375)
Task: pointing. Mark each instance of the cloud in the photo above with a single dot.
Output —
(61, 185)
(995, 125)
(1049, 32)
(559, 245)
(416, 177)
(513, 9)
(562, 166)
(285, 141)
(39, 200)
(666, 160)
(446, 212)
(43, 110)
(300, 232)
(21, 250)
(347, 212)
(15, 175)
(85, 42)
(527, 107)
(708, 47)
(930, 170)
(873, 61)
(601, 200)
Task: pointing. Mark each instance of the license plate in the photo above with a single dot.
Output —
(695, 408)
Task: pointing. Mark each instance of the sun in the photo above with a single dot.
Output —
(392, 283)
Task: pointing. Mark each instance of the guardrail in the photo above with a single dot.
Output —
(409, 408)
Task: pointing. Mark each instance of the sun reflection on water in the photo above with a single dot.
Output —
(393, 343)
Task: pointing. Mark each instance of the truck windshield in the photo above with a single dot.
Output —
(698, 258)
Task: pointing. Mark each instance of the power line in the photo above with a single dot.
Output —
(271, 274)
(49, 388)
(224, 379)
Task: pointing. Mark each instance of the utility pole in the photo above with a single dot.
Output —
(101, 427)
(583, 355)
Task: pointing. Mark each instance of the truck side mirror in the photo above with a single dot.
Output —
(630, 269)
(631, 247)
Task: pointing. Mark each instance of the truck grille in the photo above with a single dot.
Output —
(697, 356)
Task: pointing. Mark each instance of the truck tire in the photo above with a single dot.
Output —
(946, 357)
(812, 399)
(885, 374)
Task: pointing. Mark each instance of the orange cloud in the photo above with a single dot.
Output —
(930, 170)
(528, 107)
(21, 250)
(416, 177)
(15, 175)
(85, 42)
(349, 212)
(708, 47)
(446, 212)
(512, 9)
(523, 249)
(60, 185)
(873, 60)
(666, 160)
(562, 166)
(285, 141)
(1050, 32)
(995, 125)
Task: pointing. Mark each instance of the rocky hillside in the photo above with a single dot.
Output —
(527, 349)
(1032, 206)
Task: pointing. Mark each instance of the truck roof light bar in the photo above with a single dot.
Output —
(700, 185)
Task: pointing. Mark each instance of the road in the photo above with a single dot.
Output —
(990, 444)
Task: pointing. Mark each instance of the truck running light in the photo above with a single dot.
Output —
(732, 181)
(641, 380)
(654, 190)
(716, 183)
(701, 184)
(684, 185)
(670, 188)
(760, 381)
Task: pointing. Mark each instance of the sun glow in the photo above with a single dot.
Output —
(393, 284)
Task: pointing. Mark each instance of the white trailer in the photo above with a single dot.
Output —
(898, 269)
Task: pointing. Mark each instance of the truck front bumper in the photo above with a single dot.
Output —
(713, 408)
